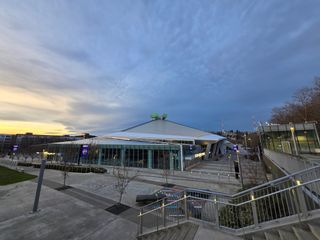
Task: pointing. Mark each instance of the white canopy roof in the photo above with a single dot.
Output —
(164, 130)
(151, 133)
(108, 141)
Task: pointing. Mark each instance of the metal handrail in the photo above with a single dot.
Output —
(214, 193)
(163, 206)
(257, 187)
(230, 204)
(274, 193)
(212, 172)
(160, 200)
(250, 210)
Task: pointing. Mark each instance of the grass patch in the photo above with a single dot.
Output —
(9, 176)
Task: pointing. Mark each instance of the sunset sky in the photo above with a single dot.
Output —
(100, 66)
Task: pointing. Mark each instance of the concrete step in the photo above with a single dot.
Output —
(174, 234)
(258, 238)
(192, 232)
(185, 231)
(180, 233)
(285, 235)
(215, 172)
(303, 234)
(166, 233)
(315, 229)
(272, 236)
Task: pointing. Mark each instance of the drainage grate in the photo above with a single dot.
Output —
(63, 188)
(117, 208)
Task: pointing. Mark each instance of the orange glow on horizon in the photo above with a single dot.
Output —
(15, 127)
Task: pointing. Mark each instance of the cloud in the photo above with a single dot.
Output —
(106, 65)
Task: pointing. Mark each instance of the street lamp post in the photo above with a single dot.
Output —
(40, 179)
(294, 140)
(245, 141)
(240, 168)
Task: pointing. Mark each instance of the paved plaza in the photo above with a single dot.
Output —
(79, 212)
(61, 216)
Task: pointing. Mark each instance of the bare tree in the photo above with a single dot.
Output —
(279, 115)
(123, 178)
(70, 153)
(316, 87)
(314, 113)
(304, 106)
(303, 98)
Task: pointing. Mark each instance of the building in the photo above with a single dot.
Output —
(291, 138)
(22, 143)
(157, 144)
(288, 148)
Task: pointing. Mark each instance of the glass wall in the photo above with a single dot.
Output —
(136, 158)
(141, 156)
(156, 157)
(290, 137)
(110, 156)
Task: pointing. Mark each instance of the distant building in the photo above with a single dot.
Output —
(155, 144)
(25, 141)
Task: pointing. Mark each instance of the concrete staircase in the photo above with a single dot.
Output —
(253, 172)
(188, 231)
(184, 231)
(284, 208)
(301, 231)
(223, 168)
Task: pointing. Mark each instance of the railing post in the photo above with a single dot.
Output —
(254, 209)
(186, 206)
(301, 200)
(141, 222)
(163, 213)
(216, 211)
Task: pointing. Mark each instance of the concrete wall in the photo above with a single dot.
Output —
(274, 169)
(289, 163)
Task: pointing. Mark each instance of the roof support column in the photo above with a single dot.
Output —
(99, 157)
(171, 160)
(181, 158)
(214, 150)
(208, 150)
(122, 156)
(150, 158)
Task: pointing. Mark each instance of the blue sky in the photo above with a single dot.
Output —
(98, 66)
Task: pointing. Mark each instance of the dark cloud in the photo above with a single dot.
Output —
(111, 64)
